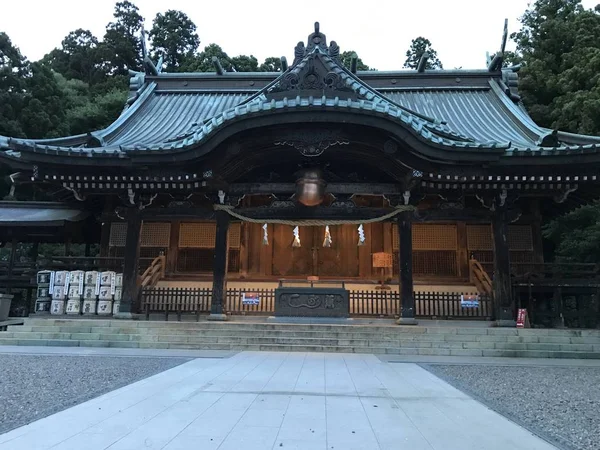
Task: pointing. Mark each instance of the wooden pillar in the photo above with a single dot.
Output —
(104, 239)
(504, 302)
(131, 264)
(388, 246)
(11, 261)
(536, 230)
(35, 251)
(244, 247)
(462, 254)
(219, 290)
(407, 316)
(173, 247)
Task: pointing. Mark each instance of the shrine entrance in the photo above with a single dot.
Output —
(312, 258)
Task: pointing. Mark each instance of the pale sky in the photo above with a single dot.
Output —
(380, 31)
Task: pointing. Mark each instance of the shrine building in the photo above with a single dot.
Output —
(316, 173)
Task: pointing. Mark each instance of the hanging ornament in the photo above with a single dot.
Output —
(296, 242)
(265, 235)
(327, 241)
(361, 235)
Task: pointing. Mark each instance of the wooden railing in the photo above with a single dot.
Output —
(440, 305)
(154, 272)
(480, 278)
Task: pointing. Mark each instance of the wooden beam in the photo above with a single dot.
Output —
(318, 212)
(332, 188)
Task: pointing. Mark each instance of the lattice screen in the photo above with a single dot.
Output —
(235, 235)
(197, 235)
(154, 234)
(479, 237)
(202, 235)
(520, 237)
(429, 237)
(434, 237)
(118, 233)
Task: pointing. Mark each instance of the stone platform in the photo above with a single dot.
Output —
(376, 337)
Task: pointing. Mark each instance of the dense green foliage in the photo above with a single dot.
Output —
(559, 45)
(418, 47)
(576, 235)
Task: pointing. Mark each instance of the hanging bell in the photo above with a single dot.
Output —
(327, 240)
(265, 235)
(361, 235)
(296, 242)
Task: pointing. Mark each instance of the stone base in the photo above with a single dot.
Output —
(406, 321)
(506, 323)
(218, 317)
(123, 315)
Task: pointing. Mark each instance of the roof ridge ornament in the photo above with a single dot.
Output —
(316, 43)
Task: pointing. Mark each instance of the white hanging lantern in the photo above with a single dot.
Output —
(327, 240)
(361, 235)
(265, 235)
(296, 242)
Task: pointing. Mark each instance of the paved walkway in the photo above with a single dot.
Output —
(279, 401)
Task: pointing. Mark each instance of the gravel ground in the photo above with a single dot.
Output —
(561, 404)
(33, 387)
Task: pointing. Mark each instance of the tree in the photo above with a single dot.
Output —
(417, 48)
(14, 68)
(43, 114)
(173, 35)
(203, 61)
(245, 63)
(346, 58)
(559, 43)
(79, 57)
(122, 44)
(271, 64)
(576, 235)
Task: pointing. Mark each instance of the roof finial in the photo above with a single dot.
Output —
(316, 27)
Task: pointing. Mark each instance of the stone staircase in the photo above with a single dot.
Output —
(243, 335)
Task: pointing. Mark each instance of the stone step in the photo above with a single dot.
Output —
(160, 334)
(220, 342)
(84, 325)
(308, 348)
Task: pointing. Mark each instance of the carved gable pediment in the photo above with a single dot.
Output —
(314, 75)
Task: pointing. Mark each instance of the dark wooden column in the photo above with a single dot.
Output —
(12, 260)
(505, 313)
(172, 254)
(219, 291)
(407, 316)
(131, 264)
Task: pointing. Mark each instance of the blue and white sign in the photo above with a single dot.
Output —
(250, 298)
(469, 301)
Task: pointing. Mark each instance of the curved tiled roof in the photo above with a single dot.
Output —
(178, 111)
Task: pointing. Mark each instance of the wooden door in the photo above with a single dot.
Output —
(292, 261)
(341, 259)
